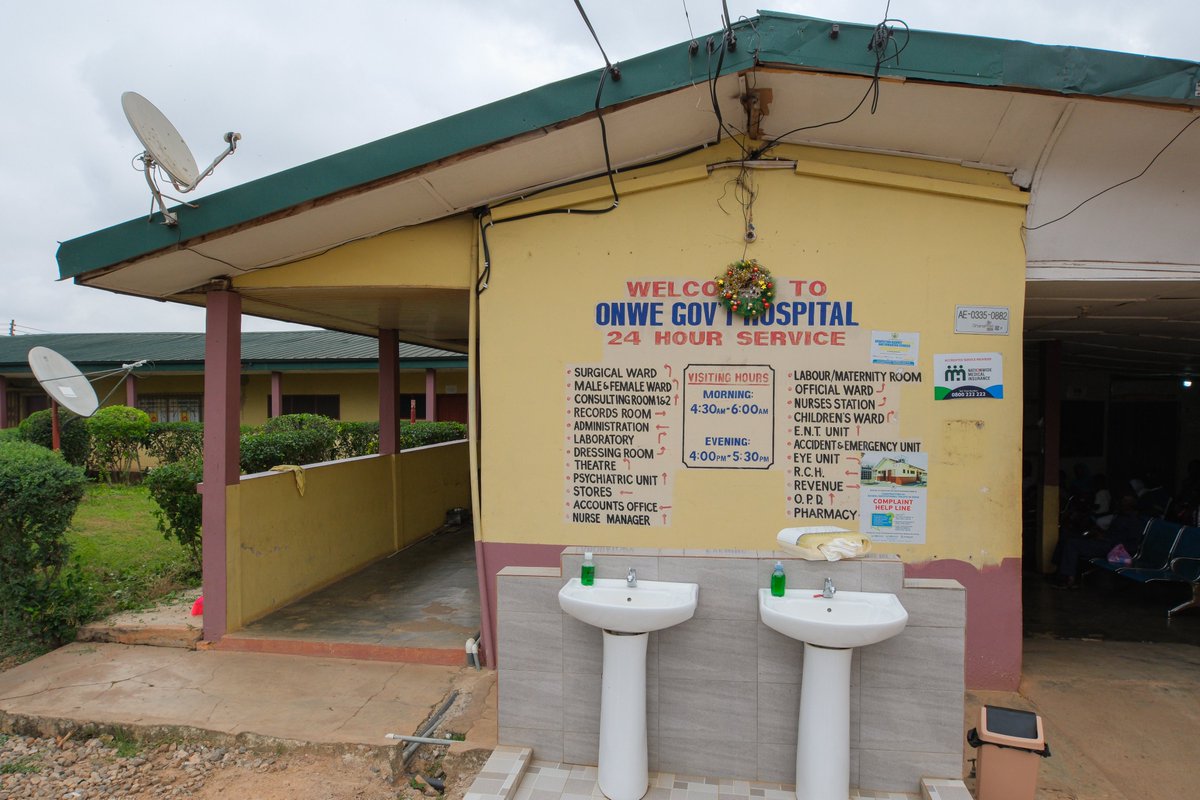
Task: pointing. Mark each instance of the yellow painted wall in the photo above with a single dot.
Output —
(282, 546)
(400, 258)
(431, 480)
(905, 240)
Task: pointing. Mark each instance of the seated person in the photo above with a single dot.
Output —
(1125, 529)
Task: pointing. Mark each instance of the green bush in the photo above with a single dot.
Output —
(420, 434)
(289, 439)
(174, 441)
(39, 492)
(76, 445)
(117, 432)
(10, 434)
(356, 439)
(266, 449)
(180, 506)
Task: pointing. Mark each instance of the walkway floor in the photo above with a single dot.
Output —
(420, 604)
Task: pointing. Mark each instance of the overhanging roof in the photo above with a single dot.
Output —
(264, 350)
(776, 39)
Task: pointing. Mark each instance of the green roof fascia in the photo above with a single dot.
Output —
(775, 38)
(330, 366)
(979, 61)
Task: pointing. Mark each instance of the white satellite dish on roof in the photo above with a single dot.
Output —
(166, 150)
(63, 381)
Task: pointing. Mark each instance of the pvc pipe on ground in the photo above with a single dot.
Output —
(418, 739)
(410, 749)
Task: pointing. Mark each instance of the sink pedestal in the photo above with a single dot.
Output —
(623, 765)
(823, 751)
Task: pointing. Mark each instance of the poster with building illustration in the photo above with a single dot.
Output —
(892, 498)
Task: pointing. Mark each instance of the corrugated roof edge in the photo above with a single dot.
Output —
(783, 39)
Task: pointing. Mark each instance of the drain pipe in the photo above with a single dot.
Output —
(472, 648)
(422, 736)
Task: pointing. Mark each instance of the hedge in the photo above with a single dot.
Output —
(39, 492)
(75, 441)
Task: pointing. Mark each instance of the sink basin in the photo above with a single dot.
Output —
(848, 619)
(613, 606)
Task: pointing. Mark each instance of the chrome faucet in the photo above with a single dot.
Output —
(631, 578)
(830, 590)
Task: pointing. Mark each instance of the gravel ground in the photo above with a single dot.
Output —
(65, 769)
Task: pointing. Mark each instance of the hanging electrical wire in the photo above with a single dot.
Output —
(1145, 169)
(883, 39)
(609, 69)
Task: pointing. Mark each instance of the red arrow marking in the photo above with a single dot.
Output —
(660, 413)
(625, 491)
(627, 464)
(853, 486)
(664, 477)
(664, 519)
(662, 450)
(676, 382)
(882, 402)
(676, 399)
(882, 386)
(660, 437)
(851, 472)
(857, 430)
(854, 458)
(890, 415)
(831, 496)
(667, 367)
(663, 427)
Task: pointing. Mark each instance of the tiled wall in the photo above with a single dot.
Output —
(723, 689)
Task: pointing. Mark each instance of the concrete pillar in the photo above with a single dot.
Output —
(131, 391)
(389, 389)
(431, 395)
(222, 417)
(276, 394)
(3, 402)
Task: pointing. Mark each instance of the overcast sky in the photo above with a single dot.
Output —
(302, 79)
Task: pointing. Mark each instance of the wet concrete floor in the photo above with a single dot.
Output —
(425, 596)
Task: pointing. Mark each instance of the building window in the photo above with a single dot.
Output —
(172, 407)
(327, 405)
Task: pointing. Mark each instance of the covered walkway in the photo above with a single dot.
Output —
(419, 605)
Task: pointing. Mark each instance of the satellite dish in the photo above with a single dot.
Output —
(165, 149)
(63, 381)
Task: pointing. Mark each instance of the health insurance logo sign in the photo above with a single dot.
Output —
(963, 376)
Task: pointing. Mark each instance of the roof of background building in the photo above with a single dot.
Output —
(269, 350)
(771, 38)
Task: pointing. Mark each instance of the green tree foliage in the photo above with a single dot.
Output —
(174, 441)
(173, 488)
(39, 492)
(76, 444)
(117, 432)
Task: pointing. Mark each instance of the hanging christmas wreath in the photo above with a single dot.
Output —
(746, 288)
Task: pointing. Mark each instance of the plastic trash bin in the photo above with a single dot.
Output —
(1010, 744)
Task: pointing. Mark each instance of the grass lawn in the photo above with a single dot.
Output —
(125, 558)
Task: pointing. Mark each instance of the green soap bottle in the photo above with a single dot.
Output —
(587, 575)
(778, 580)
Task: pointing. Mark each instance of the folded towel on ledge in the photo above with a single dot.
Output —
(823, 543)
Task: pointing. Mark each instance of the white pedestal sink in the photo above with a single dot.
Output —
(830, 628)
(626, 614)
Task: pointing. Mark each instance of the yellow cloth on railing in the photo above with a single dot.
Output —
(297, 472)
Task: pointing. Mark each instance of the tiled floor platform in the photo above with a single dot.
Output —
(512, 774)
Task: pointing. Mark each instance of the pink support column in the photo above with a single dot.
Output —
(3, 402)
(276, 394)
(431, 395)
(222, 405)
(389, 390)
(131, 391)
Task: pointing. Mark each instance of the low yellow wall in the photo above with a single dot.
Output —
(431, 479)
(282, 546)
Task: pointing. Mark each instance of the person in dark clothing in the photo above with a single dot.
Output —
(1125, 529)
